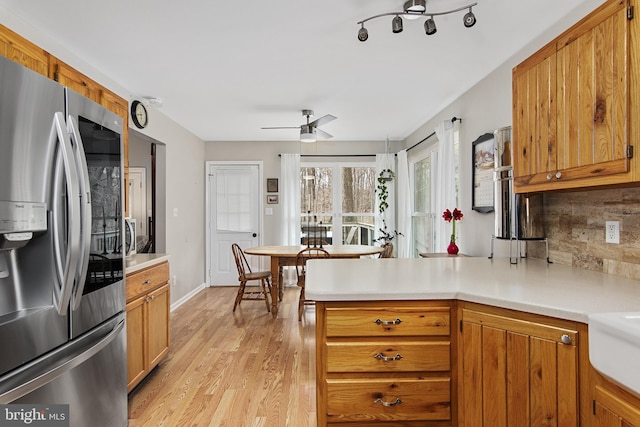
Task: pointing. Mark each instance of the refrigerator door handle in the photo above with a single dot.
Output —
(36, 375)
(85, 211)
(66, 269)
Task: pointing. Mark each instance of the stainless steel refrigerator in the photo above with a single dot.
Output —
(62, 295)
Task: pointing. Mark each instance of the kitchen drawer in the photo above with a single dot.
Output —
(405, 321)
(397, 399)
(388, 357)
(143, 281)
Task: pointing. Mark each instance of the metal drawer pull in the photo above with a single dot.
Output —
(381, 356)
(379, 401)
(146, 282)
(566, 339)
(387, 322)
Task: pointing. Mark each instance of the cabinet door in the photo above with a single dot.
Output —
(158, 324)
(613, 411)
(517, 373)
(534, 117)
(593, 95)
(136, 354)
(22, 51)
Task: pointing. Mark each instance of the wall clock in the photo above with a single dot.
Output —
(139, 114)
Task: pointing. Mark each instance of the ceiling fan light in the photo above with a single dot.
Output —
(307, 134)
(430, 26)
(396, 24)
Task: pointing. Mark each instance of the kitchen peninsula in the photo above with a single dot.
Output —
(425, 340)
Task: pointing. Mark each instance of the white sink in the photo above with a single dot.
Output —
(614, 347)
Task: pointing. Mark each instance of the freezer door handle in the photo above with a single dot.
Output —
(51, 366)
(66, 269)
(85, 210)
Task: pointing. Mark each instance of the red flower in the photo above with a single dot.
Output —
(456, 215)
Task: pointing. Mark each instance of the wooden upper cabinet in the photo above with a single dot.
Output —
(22, 51)
(75, 80)
(571, 106)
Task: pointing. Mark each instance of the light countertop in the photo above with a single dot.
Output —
(141, 261)
(531, 285)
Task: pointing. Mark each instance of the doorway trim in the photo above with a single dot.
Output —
(208, 213)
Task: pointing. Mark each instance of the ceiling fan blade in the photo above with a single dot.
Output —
(322, 120)
(322, 134)
(281, 127)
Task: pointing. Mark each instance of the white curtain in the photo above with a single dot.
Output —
(386, 161)
(445, 184)
(403, 243)
(290, 199)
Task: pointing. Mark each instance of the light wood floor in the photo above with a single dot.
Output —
(232, 369)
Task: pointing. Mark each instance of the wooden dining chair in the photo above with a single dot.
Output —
(245, 274)
(301, 271)
(388, 250)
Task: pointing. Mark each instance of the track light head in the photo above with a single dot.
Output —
(430, 26)
(363, 34)
(469, 19)
(396, 24)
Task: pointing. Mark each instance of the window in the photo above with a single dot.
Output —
(423, 167)
(337, 202)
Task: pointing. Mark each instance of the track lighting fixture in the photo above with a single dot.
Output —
(430, 26)
(414, 9)
(396, 24)
(363, 34)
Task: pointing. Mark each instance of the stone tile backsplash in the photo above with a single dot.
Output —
(575, 228)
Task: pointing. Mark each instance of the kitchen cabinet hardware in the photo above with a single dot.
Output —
(382, 357)
(379, 401)
(566, 339)
(146, 282)
(387, 322)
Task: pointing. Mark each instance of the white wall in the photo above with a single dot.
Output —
(484, 108)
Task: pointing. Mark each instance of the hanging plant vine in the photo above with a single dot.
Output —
(385, 176)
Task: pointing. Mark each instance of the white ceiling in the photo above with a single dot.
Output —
(225, 69)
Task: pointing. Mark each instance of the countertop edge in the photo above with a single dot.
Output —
(534, 287)
(139, 262)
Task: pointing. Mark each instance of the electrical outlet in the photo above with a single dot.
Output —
(612, 232)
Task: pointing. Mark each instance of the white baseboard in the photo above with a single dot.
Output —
(187, 297)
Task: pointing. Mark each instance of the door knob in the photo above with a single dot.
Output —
(254, 235)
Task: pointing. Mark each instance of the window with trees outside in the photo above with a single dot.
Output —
(424, 167)
(337, 203)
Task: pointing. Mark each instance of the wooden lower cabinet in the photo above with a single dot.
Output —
(385, 364)
(614, 406)
(517, 369)
(148, 306)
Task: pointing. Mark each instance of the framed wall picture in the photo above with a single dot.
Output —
(272, 199)
(272, 185)
(483, 164)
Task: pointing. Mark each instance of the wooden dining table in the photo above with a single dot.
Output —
(282, 256)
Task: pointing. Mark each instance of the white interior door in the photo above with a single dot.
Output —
(235, 203)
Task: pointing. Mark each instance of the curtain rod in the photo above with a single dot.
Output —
(334, 155)
(453, 120)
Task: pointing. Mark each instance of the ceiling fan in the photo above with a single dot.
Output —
(309, 132)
